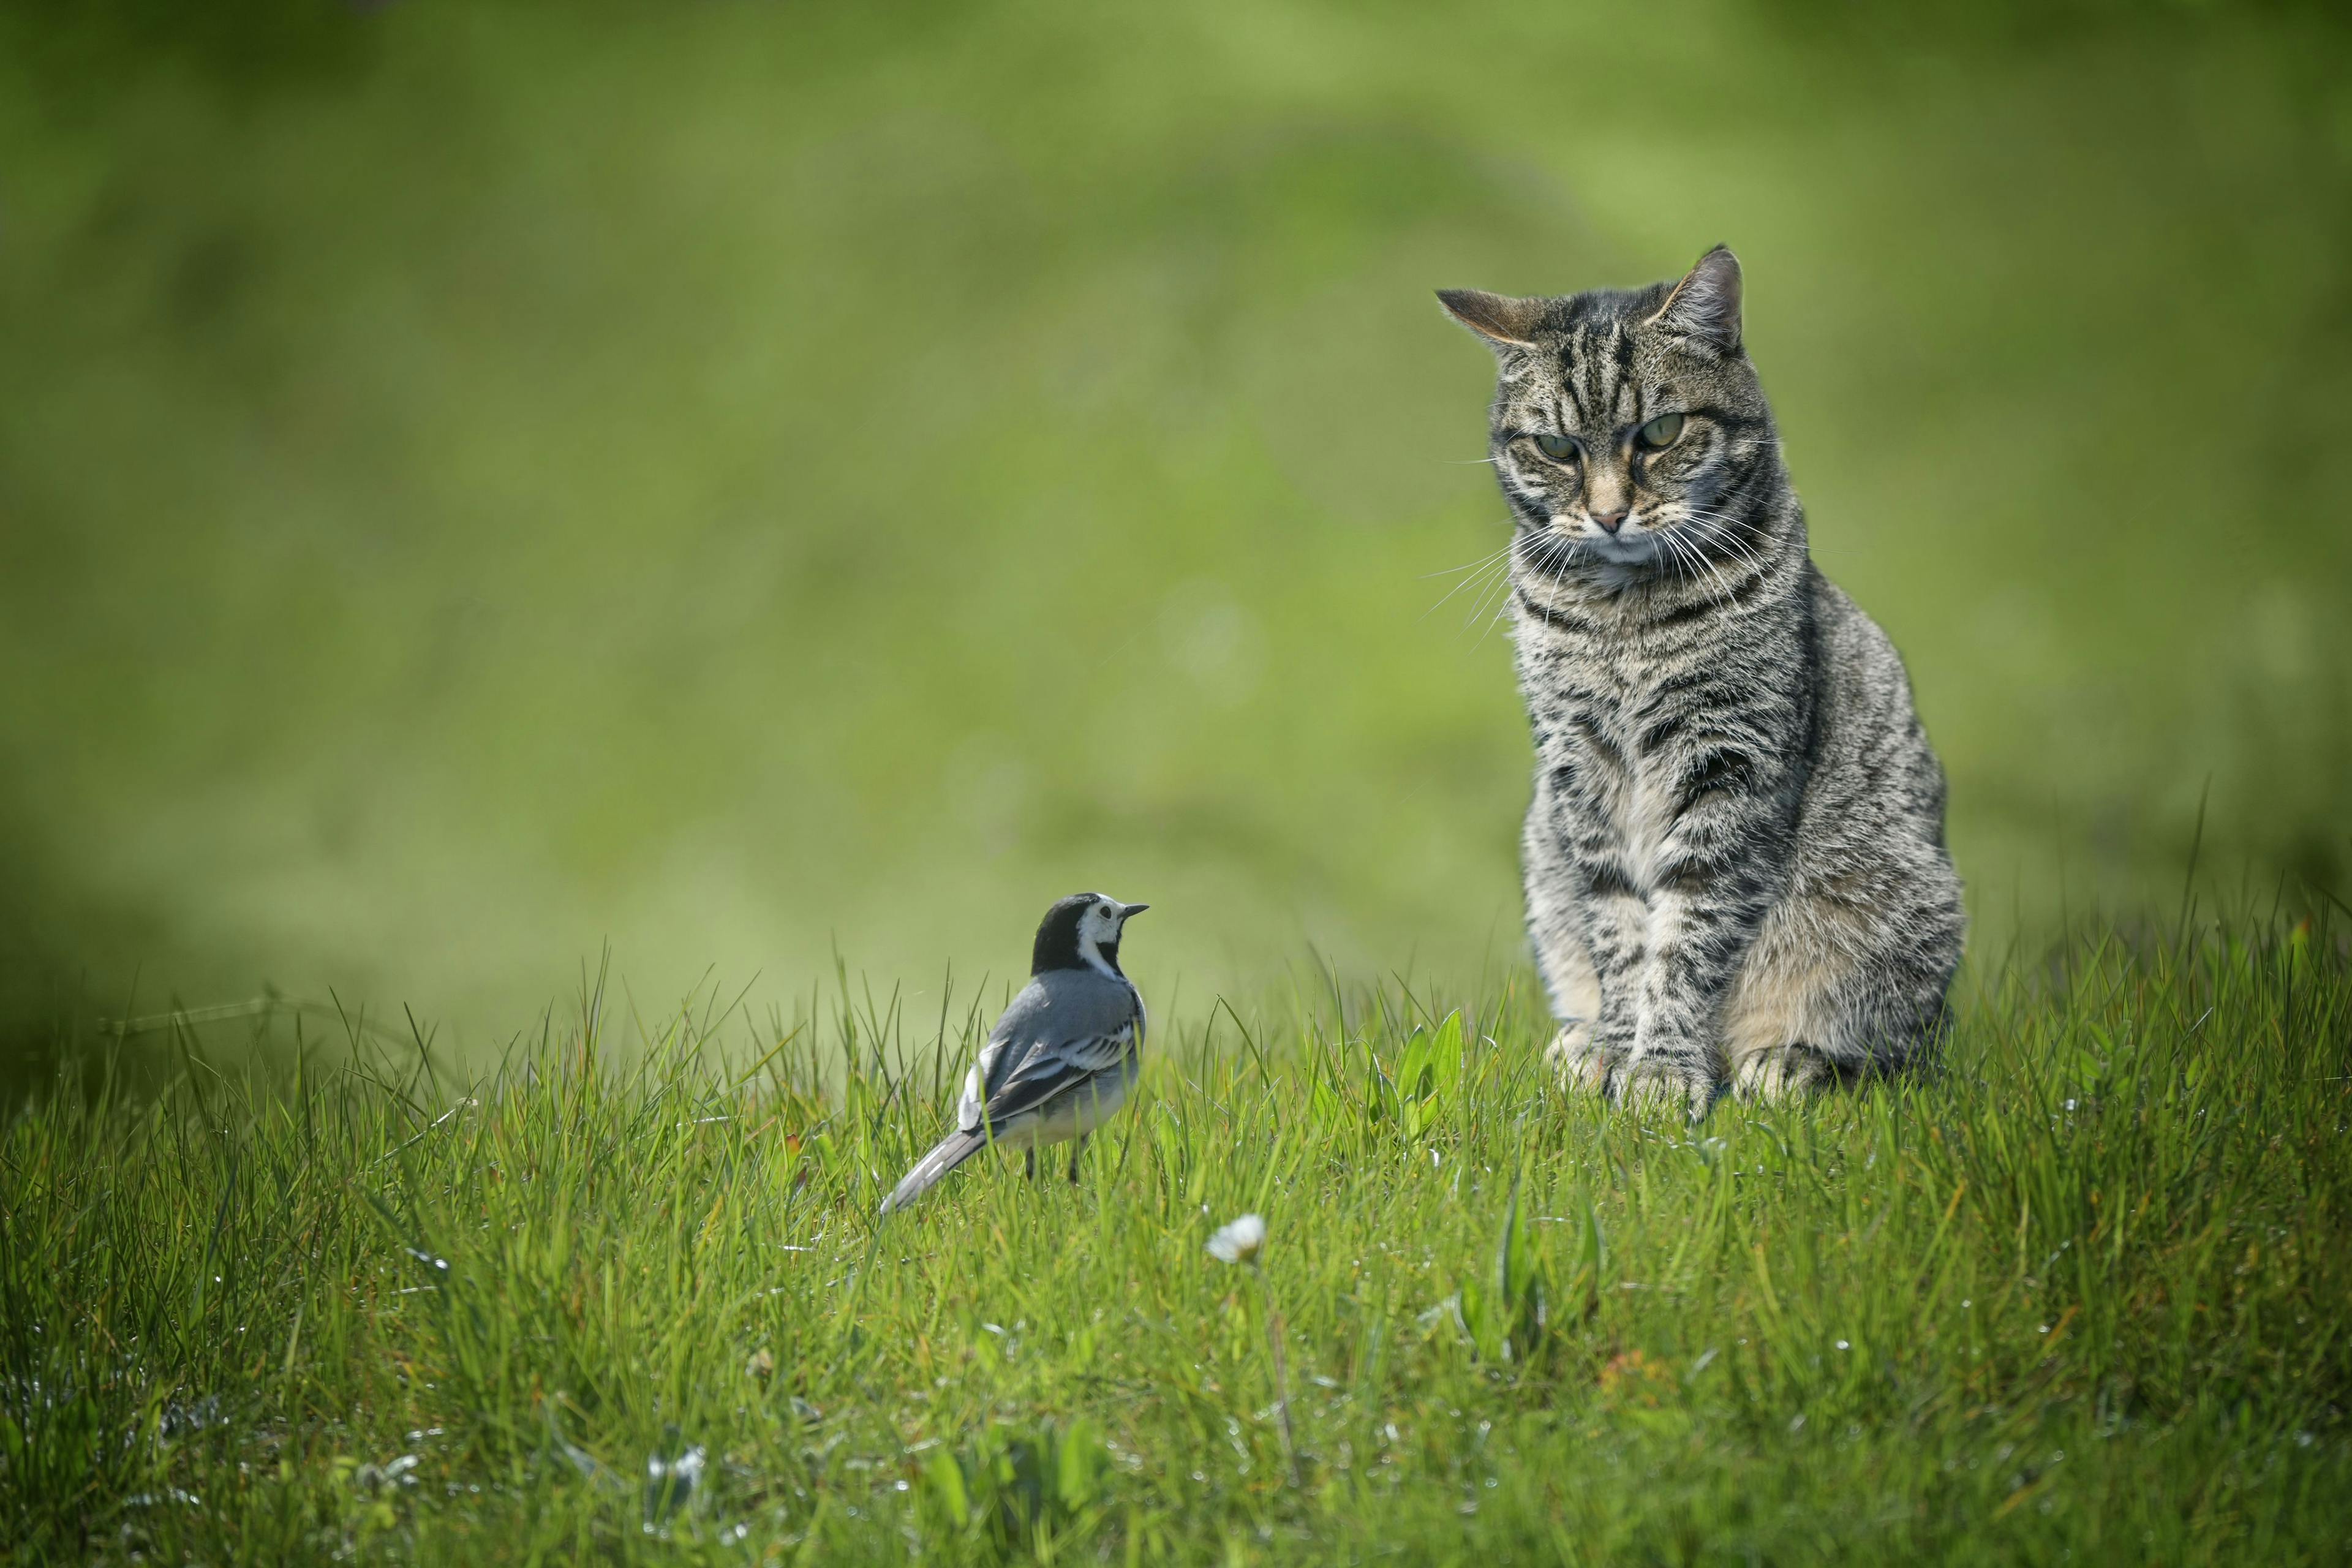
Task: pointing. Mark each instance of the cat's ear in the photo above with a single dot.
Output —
(1705, 304)
(1503, 322)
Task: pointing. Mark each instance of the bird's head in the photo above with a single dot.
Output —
(1081, 932)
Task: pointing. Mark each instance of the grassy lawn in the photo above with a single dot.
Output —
(2081, 1299)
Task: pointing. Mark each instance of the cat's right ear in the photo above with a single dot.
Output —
(1503, 322)
(1705, 306)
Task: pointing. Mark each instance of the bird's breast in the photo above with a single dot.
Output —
(1087, 1107)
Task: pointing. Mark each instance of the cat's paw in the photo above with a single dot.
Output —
(1579, 1060)
(1783, 1072)
(1652, 1083)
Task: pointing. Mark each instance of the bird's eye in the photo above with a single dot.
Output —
(1662, 431)
(1559, 448)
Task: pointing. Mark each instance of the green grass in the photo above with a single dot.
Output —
(2081, 1298)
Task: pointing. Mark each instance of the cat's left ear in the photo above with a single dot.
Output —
(1504, 322)
(1704, 305)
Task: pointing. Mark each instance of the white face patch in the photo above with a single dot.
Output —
(1099, 929)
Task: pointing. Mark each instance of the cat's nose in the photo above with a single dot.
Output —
(1610, 522)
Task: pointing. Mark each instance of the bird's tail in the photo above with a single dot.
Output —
(950, 1151)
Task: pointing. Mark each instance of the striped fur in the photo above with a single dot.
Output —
(1734, 861)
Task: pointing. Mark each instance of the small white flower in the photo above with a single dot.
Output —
(1241, 1241)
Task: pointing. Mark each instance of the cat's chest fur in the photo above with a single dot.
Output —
(1627, 725)
(1641, 805)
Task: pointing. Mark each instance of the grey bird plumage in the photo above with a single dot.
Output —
(1734, 858)
(1061, 1058)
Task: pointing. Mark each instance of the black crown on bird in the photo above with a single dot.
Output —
(1076, 922)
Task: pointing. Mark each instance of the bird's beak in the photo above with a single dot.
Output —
(1129, 911)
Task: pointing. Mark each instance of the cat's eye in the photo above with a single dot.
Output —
(1662, 431)
(1559, 448)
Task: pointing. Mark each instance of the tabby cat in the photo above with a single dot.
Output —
(1734, 863)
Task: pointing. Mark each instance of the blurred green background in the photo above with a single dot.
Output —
(743, 480)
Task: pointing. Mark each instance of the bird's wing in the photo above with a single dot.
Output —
(1052, 1070)
(1064, 1028)
(1017, 1031)
(989, 1069)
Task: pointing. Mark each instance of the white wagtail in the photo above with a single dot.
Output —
(1061, 1058)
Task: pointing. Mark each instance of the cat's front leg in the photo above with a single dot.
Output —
(1593, 972)
(1616, 934)
(1716, 871)
(1563, 910)
(1674, 1059)
(1576, 1054)
(1700, 928)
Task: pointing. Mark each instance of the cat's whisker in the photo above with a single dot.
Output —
(1724, 589)
(1715, 527)
(1482, 585)
(1669, 551)
(1549, 552)
(1540, 552)
(1498, 616)
(1750, 559)
(1490, 599)
(1565, 546)
(1723, 518)
(1468, 583)
(1486, 560)
(1729, 548)
(1501, 589)
(1471, 575)
(1719, 519)
(1690, 561)
(1681, 552)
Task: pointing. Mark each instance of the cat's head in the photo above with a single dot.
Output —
(1630, 433)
